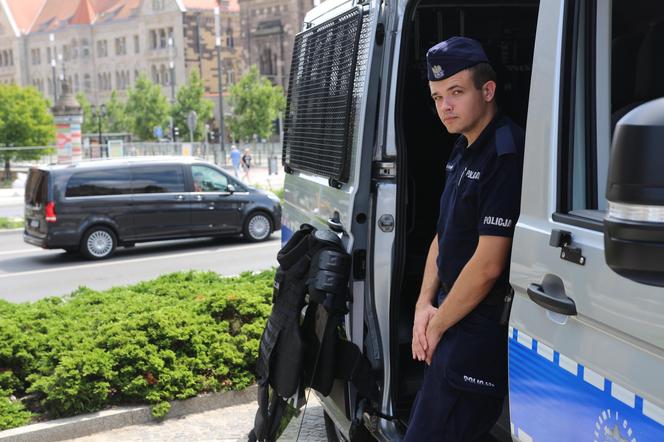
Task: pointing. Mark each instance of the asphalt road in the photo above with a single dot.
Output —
(28, 273)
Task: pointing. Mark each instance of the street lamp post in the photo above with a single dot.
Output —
(51, 39)
(171, 66)
(217, 32)
(100, 113)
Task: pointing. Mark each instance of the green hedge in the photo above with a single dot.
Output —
(171, 338)
(10, 223)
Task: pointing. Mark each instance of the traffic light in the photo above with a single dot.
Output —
(176, 133)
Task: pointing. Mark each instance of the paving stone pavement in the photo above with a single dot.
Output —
(229, 424)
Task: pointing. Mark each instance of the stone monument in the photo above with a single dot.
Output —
(68, 116)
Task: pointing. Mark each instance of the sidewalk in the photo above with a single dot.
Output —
(230, 424)
(258, 176)
(11, 197)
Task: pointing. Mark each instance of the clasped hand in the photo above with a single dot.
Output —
(426, 333)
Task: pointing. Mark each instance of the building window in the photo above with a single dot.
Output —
(267, 63)
(85, 48)
(163, 74)
(73, 50)
(155, 75)
(163, 42)
(230, 43)
(153, 39)
(36, 56)
(121, 46)
(102, 48)
(87, 83)
(137, 47)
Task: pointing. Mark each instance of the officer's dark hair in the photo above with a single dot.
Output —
(482, 73)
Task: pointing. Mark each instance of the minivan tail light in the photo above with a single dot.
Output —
(49, 212)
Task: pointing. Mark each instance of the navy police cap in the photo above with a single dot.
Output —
(453, 55)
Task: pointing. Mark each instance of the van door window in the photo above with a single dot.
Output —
(206, 179)
(36, 187)
(611, 65)
(99, 183)
(158, 179)
(325, 89)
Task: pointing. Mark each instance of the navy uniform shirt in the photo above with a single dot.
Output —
(481, 197)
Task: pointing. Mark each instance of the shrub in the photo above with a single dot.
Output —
(10, 223)
(171, 338)
(12, 413)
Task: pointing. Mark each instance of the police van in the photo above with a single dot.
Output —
(365, 156)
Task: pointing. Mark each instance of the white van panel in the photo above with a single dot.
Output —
(309, 198)
(596, 374)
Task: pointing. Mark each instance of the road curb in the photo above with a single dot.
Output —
(107, 420)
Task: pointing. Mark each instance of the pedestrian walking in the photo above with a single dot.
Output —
(246, 164)
(235, 160)
(458, 328)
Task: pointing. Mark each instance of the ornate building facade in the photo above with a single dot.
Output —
(104, 45)
(268, 33)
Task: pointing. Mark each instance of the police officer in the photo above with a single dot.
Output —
(458, 330)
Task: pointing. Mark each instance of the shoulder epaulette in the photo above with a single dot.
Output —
(505, 141)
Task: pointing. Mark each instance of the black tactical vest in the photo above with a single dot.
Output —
(296, 353)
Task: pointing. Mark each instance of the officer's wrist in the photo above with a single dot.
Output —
(423, 302)
(437, 325)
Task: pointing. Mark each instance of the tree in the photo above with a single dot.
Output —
(146, 108)
(114, 120)
(256, 103)
(25, 121)
(190, 98)
(89, 119)
(116, 116)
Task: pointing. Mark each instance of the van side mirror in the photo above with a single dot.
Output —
(634, 225)
(230, 188)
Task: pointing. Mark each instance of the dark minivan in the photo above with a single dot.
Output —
(95, 206)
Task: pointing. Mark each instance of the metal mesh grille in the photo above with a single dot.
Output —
(320, 111)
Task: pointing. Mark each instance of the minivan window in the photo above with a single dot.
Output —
(164, 178)
(99, 183)
(206, 179)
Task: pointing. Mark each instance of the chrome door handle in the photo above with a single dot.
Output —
(180, 197)
(199, 197)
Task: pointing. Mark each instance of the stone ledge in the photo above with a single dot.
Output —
(106, 420)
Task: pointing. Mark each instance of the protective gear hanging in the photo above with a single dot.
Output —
(294, 356)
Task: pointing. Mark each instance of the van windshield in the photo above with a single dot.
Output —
(36, 187)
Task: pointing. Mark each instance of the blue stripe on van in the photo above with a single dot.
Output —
(286, 234)
(554, 398)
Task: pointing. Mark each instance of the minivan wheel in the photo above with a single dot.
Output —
(257, 227)
(98, 243)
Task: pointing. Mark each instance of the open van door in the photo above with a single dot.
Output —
(327, 148)
(586, 345)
